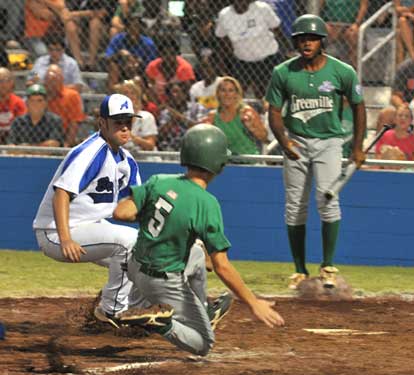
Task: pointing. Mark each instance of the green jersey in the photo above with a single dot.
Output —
(314, 100)
(240, 140)
(172, 212)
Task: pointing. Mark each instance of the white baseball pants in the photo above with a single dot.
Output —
(108, 245)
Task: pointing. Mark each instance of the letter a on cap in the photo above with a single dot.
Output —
(124, 106)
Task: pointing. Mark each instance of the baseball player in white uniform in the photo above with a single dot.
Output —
(71, 225)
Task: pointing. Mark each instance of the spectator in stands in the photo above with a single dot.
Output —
(198, 23)
(89, 126)
(405, 14)
(159, 23)
(38, 127)
(140, 47)
(168, 68)
(97, 13)
(122, 66)
(11, 22)
(122, 12)
(11, 105)
(398, 143)
(56, 55)
(42, 16)
(144, 129)
(343, 19)
(285, 9)
(402, 92)
(65, 102)
(240, 122)
(178, 115)
(147, 104)
(204, 91)
(39, 16)
(251, 33)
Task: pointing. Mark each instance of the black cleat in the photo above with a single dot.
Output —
(219, 308)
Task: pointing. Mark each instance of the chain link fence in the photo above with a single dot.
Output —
(168, 56)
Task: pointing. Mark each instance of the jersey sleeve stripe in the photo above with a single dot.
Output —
(94, 168)
(134, 178)
(74, 154)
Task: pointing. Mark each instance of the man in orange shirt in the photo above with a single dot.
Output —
(168, 68)
(65, 102)
(11, 105)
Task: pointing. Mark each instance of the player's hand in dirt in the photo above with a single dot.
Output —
(72, 250)
(358, 157)
(289, 151)
(263, 310)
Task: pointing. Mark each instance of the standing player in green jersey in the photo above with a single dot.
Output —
(310, 88)
(173, 211)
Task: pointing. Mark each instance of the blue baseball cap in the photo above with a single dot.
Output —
(117, 106)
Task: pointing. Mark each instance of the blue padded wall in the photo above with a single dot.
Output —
(377, 206)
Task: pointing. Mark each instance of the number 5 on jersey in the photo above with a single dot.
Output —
(156, 223)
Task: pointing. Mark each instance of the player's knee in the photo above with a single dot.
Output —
(126, 237)
(329, 214)
(205, 349)
(296, 216)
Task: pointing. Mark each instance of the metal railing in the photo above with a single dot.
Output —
(390, 37)
(170, 156)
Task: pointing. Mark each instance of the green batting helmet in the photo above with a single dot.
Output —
(309, 24)
(205, 146)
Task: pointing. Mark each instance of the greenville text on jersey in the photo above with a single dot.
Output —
(305, 109)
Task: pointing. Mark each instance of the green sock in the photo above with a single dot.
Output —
(329, 236)
(297, 234)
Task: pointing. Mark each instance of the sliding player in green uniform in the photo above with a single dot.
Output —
(311, 88)
(173, 211)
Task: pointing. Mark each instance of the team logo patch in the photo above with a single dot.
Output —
(251, 23)
(172, 194)
(327, 86)
(358, 89)
(104, 184)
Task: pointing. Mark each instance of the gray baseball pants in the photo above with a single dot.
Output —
(186, 293)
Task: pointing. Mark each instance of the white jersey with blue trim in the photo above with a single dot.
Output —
(96, 179)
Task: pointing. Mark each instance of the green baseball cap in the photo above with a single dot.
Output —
(36, 89)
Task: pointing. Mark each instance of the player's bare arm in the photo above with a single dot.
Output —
(360, 123)
(126, 210)
(70, 249)
(262, 309)
(278, 130)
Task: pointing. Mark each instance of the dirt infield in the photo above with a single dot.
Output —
(369, 337)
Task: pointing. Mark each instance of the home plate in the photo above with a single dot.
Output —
(342, 331)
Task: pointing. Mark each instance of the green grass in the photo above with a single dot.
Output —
(31, 274)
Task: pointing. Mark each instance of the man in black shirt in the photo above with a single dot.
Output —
(38, 127)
